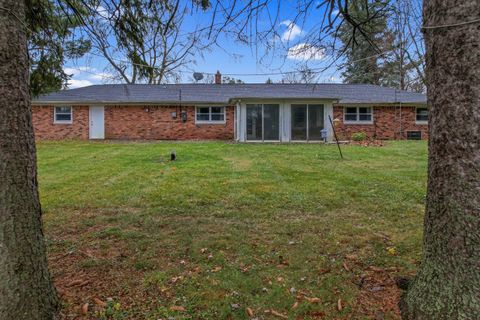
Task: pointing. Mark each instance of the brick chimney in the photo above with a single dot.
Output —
(218, 77)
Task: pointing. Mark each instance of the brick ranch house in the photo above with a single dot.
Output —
(240, 112)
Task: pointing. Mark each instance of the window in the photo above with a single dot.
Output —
(421, 115)
(414, 135)
(210, 114)
(358, 114)
(62, 115)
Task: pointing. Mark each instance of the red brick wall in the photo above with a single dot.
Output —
(45, 129)
(387, 123)
(133, 122)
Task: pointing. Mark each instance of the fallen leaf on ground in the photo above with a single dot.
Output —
(99, 302)
(345, 266)
(323, 271)
(85, 308)
(196, 269)
(339, 305)
(216, 269)
(176, 279)
(376, 269)
(295, 305)
(392, 251)
(177, 308)
(245, 269)
(312, 300)
(276, 314)
(76, 283)
(250, 312)
(234, 306)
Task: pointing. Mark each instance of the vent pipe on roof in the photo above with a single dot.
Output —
(218, 77)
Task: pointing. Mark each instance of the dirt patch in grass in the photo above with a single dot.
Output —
(369, 143)
(379, 294)
(239, 163)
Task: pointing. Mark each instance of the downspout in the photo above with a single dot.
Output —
(236, 117)
(401, 133)
(395, 131)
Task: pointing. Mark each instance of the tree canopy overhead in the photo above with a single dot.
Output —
(52, 39)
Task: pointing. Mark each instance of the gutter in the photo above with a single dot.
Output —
(230, 102)
(127, 103)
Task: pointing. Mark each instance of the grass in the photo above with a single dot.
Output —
(228, 227)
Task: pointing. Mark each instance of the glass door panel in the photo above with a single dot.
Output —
(263, 122)
(315, 121)
(254, 122)
(271, 121)
(299, 122)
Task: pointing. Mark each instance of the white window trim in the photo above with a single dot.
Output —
(55, 121)
(357, 121)
(419, 122)
(210, 114)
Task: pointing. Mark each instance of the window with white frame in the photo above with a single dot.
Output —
(358, 114)
(210, 115)
(421, 115)
(62, 115)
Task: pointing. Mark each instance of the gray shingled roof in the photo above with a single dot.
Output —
(226, 93)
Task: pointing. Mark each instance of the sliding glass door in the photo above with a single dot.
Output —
(315, 121)
(254, 122)
(263, 122)
(299, 122)
(307, 121)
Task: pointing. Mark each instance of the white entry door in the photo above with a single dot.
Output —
(97, 123)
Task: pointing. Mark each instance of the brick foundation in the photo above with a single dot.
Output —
(388, 124)
(133, 122)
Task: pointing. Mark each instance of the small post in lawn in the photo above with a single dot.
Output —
(173, 155)
(335, 134)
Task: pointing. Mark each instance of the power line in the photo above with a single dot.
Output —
(93, 73)
(314, 70)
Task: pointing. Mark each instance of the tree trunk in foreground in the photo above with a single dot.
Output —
(26, 289)
(447, 285)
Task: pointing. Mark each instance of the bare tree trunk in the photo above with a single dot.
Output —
(447, 285)
(26, 289)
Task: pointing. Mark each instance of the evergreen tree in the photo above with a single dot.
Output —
(231, 80)
(51, 39)
(361, 45)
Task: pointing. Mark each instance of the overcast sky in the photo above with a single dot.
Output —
(233, 58)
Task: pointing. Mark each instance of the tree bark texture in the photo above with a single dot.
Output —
(447, 285)
(26, 289)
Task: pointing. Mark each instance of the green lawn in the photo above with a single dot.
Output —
(226, 227)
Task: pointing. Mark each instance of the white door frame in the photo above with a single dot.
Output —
(99, 121)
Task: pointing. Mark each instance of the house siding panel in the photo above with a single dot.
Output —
(388, 123)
